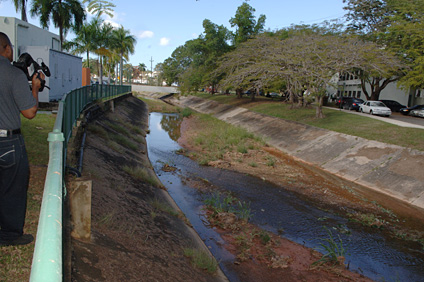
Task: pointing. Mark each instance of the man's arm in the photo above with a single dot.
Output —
(36, 84)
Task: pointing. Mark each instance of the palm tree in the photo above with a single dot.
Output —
(64, 13)
(83, 41)
(104, 42)
(99, 7)
(142, 68)
(125, 44)
(20, 5)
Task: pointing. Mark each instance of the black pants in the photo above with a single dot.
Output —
(14, 178)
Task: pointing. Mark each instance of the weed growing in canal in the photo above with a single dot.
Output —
(264, 237)
(114, 146)
(137, 130)
(335, 252)
(98, 130)
(107, 219)
(142, 174)
(201, 259)
(162, 206)
(186, 112)
(124, 141)
(242, 149)
(118, 128)
(243, 211)
(225, 203)
(368, 219)
(270, 161)
(217, 203)
(218, 136)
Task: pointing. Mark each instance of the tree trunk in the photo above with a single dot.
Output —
(61, 37)
(23, 11)
(238, 93)
(319, 113)
(376, 88)
(101, 71)
(121, 72)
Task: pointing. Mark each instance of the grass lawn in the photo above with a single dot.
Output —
(15, 261)
(338, 121)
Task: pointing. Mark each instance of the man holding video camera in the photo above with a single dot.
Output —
(15, 98)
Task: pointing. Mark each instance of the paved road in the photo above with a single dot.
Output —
(395, 118)
(408, 119)
(153, 89)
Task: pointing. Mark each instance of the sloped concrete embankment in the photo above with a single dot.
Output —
(390, 169)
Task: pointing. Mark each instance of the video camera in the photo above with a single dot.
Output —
(30, 67)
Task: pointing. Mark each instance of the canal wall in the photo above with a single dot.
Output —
(390, 169)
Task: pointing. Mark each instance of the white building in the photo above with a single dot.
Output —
(44, 46)
(350, 85)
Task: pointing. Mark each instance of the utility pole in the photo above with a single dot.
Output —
(151, 68)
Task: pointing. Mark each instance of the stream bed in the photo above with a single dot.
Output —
(275, 209)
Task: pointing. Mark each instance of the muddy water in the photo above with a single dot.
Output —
(368, 251)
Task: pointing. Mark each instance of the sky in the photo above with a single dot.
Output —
(160, 26)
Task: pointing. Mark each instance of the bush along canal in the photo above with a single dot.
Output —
(366, 250)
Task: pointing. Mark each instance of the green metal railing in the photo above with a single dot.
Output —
(47, 259)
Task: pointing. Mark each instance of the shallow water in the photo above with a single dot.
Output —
(275, 209)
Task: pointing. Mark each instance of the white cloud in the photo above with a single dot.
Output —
(146, 34)
(113, 23)
(164, 41)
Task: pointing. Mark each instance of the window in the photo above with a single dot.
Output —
(358, 94)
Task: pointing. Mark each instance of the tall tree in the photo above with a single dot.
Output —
(397, 25)
(142, 68)
(246, 24)
(20, 5)
(99, 7)
(405, 36)
(84, 40)
(304, 61)
(367, 17)
(64, 13)
(124, 44)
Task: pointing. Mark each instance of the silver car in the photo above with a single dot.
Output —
(375, 108)
(417, 113)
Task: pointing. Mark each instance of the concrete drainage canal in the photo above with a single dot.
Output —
(274, 209)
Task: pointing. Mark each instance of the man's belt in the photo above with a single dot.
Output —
(8, 132)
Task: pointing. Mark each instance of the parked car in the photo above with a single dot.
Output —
(393, 105)
(272, 95)
(417, 113)
(353, 104)
(375, 108)
(340, 101)
(406, 111)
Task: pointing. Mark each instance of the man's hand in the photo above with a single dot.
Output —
(36, 81)
(36, 85)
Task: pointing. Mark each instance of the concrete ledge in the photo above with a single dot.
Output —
(390, 169)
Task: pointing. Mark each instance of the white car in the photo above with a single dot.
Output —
(417, 113)
(375, 108)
